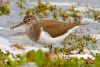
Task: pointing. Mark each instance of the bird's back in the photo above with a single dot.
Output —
(56, 28)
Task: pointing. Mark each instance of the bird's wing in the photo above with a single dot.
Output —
(56, 28)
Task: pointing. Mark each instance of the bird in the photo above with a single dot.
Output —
(47, 31)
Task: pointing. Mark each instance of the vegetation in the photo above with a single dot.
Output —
(41, 9)
(4, 9)
(44, 10)
(7, 1)
(78, 42)
(52, 58)
(96, 15)
(30, 11)
(20, 3)
(71, 13)
(43, 59)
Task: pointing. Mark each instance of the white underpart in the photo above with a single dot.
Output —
(46, 38)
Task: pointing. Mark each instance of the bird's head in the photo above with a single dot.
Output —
(28, 20)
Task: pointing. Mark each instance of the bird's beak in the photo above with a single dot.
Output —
(17, 25)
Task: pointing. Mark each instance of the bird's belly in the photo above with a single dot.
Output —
(46, 38)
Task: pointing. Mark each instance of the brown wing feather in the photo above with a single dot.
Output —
(57, 28)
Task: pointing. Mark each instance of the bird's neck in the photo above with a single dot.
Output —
(33, 32)
(33, 23)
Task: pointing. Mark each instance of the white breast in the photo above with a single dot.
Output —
(46, 38)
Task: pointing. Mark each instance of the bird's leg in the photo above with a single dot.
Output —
(55, 52)
(48, 45)
(51, 49)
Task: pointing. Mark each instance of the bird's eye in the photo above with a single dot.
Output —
(28, 19)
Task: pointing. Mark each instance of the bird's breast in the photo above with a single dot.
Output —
(33, 33)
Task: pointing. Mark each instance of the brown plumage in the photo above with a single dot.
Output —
(57, 28)
(53, 27)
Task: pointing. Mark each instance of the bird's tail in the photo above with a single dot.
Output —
(72, 24)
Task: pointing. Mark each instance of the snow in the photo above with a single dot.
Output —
(96, 9)
(79, 56)
(97, 36)
(6, 45)
(82, 9)
(3, 42)
(88, 20)
(57, 3)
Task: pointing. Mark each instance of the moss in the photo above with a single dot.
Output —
(71, 13)
(30, 56)
(41, 10)
(30, 11)
(41, 7)
(7, 1)
(97, 15)
(43, 59)
(76, 42)
(65, 14)
(97, 60)
(72, 8)
(1, 13)
(4, 9)
(45, 10)
(20, 4)
(55, 15)
(52, 8)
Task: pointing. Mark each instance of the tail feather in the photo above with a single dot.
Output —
(72, 24)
